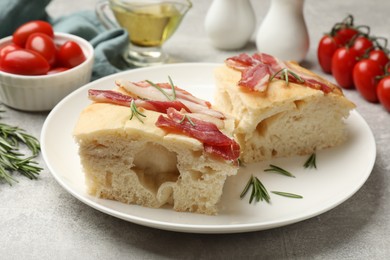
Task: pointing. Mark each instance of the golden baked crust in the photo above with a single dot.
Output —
(285, 119)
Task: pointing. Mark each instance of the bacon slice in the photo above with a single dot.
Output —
(114, 97)
(311, 81)
(274, 64)
(214, 141)
(256, 77)
(258, 68)
(241, 62)
(255, 70)
(147, 91)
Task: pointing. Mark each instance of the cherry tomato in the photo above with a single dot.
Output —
(361, 45)
(22, 33)
(7, 48)
(380, 56)
(56, 70)
(344, 35)
(326, 48)
(70, 54)
(24, 62)
(343, 61)
(365, 74)
(383, 92)
(44, 45)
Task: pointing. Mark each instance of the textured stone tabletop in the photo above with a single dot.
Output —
(41, 220)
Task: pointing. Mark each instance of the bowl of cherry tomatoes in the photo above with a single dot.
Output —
(39, 67)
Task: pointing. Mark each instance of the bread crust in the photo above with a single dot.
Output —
(139, 163)
(283, 120)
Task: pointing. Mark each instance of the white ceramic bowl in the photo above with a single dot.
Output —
(42, 93)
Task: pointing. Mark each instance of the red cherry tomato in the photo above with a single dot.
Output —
(24, 62)
(8, 48)
(44, 45)
(326, 48)
(361, 45)
(22, 33)
(383, 92)
(70, 54)
(344, 35)
(365, 74)
(380, 56)
(343, 61)
(56, 70)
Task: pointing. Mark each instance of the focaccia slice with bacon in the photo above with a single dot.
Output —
(281, 108)
(139, 145)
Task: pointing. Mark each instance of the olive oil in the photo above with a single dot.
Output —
(148, 25)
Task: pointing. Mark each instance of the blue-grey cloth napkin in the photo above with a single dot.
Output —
(108, 44)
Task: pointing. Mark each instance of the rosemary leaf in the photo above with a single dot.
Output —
(284, 75)
(160, 89)
(240, 163)
(287, 194)
(247, 186)
(11, 160)
(311, 162)
(173, 88)
(259, 192)
(188, 118)
(135, 112)
(276, 169)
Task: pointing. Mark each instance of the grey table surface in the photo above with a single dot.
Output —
(41, 220)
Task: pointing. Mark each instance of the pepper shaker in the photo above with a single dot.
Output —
(230, 24)
(283, 33)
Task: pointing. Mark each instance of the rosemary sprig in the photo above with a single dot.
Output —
(284, 75)
(163, 91)
(11, 160)
(173, 88)
(135, 112)
(287, 194)
(311, 162)
(240, 163)
(188, 118)
(274, 168)
(259, 192)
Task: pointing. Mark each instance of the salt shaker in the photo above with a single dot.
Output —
(283, 33)
(230, 24)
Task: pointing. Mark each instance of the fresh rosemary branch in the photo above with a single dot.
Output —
(173, 88)
(287, 194)
(163, 91)
(274, 168)
(311, 162)
(284, 76)
(11, 160)
(135, 112)
(259, 192)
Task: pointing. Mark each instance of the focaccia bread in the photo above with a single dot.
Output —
(276, 118)
(136, 162)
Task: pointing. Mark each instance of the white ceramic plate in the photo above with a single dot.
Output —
(341, 170)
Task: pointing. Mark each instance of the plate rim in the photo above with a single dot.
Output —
(190, 228)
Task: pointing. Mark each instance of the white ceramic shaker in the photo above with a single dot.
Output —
(283, 33)
(230, 24)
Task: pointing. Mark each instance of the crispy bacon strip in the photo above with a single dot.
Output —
(145, 90)
(113, 97)
(214, 141)
(258, 68)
